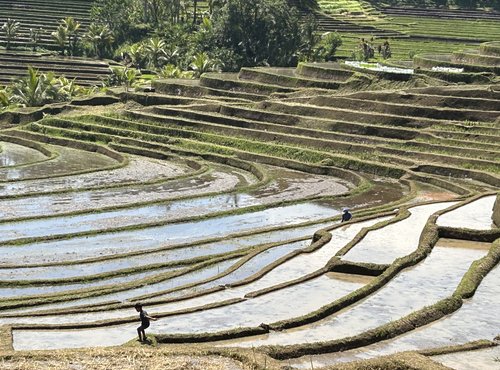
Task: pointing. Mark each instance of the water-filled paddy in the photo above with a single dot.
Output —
(475, 320)
(68, 161)
(298, 266)
(384, 245)
(138, 170)
(134, 240)
(222, 179)
(16, 155)
(488, 358)
(475, 215)
(433, 279)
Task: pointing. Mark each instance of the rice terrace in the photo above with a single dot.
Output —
(258, 184)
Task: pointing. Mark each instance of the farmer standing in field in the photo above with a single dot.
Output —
(346, 215)
(145, 322)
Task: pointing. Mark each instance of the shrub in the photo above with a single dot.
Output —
(172, 71)
(37, 89)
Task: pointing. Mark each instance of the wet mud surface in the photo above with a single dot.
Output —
(471, 360)
(222, 179)
(433, 279)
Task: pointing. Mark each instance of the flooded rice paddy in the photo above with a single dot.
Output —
(198, 242)
(66, 162)
(475, 215)
(399, 239)
(433, 279)
(476, 319)
(18, 155)
(139, 170)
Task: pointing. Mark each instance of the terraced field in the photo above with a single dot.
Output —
(410, 31)
(45, 14)
(34, 14)
(217, 204)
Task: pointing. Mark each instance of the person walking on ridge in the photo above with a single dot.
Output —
(145, 322)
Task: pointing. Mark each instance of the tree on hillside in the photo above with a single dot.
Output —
(10, 30)
(60, 36)
(100, 37)
(261, 32)
(117, 15)
(72, 30)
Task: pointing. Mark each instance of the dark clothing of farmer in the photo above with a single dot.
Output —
(346, 215)
(145, 322)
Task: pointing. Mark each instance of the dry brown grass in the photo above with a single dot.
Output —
(144, 358)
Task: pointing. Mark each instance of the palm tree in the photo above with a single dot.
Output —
(101, 38)
(60, 35)
(72, 28)
(10, 29)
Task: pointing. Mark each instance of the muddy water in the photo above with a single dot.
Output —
(138, 170)
(471, 360)
(295, 185)
(291, 269)
(427, 192)
(476, 319)
(475, 215)
(68, 161)
(126, 241)
(15, 155)
(384, 245)
(433, 279)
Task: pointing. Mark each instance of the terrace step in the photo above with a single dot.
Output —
(446, 60)
(230, 82)
(476, 58)
(330, 70)
(342, 114)
(441, 13)
(107, 128)
(286, 78)
(398, 108)
(421, 99)
(192, 88)
(220, 118)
